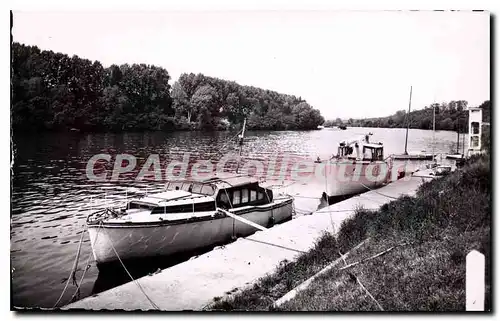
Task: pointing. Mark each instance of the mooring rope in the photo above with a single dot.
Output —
(373, 190)
(276, 245)
(130, 275)
(87, 266)
(72, 273)
(311, 197)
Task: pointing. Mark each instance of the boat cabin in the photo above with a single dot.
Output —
(240, 191)
(203, 196)
(373, 152)
(370, 152)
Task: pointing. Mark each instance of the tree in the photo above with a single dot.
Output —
(486, 107)
(446, 124)
(53, 91)
(204, 101)
(461, 105)
(181, 102)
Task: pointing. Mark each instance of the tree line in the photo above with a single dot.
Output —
(448, 116)
(52, 91)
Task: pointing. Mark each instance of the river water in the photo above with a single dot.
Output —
(52, 195)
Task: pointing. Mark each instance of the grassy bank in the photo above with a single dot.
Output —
(425, 240)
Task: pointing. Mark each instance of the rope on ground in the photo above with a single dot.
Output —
(369, 294)
(133, 280)
(372, 190)
(338, 211)
(310, 197)
(352, 275)
(331, 222)
(276, 245)
(303, 210)
(292, 293)
(367, 259)
(234, 216)
(370, 199)
(73, 270)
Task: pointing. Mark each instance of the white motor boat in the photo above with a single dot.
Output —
(358, 167)
(188, 215)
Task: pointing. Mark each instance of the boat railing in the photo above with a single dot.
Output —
(113, 203)
(102, 214)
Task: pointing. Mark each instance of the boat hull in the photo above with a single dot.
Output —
(345, 179)
(454, 156)
(413, 157)
(131, 241)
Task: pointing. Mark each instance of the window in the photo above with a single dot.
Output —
(236, 197)
(474, 141)
(367, 153)
(172, 186)
(185, 208)
(244, 196)
(224, 199)
(261, 195)
(197, 188)
(207, 190)
(475, 128)
(253, 196)
(206, 206)
(133, 205)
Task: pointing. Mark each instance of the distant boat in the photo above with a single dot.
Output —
(321, 126)
(454, 156)
(415, 155)
(343, 127)
(457, 155)
(423, 155)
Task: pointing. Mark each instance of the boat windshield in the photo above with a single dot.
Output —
(138, 205)
(373, 154)
(192, 187)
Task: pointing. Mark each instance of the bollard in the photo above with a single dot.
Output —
(474, 281)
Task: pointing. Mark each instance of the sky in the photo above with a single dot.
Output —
(347, 64)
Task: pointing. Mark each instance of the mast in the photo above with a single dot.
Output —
(241, 144)
(458, 134)
(433, 130)
(408, 122)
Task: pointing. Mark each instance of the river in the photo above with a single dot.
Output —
(52, 195)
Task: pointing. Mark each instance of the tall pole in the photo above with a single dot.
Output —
(463, 138)
(458, 133)
(408, 122)
(463, 144)
(241, 144)
(433, 130)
